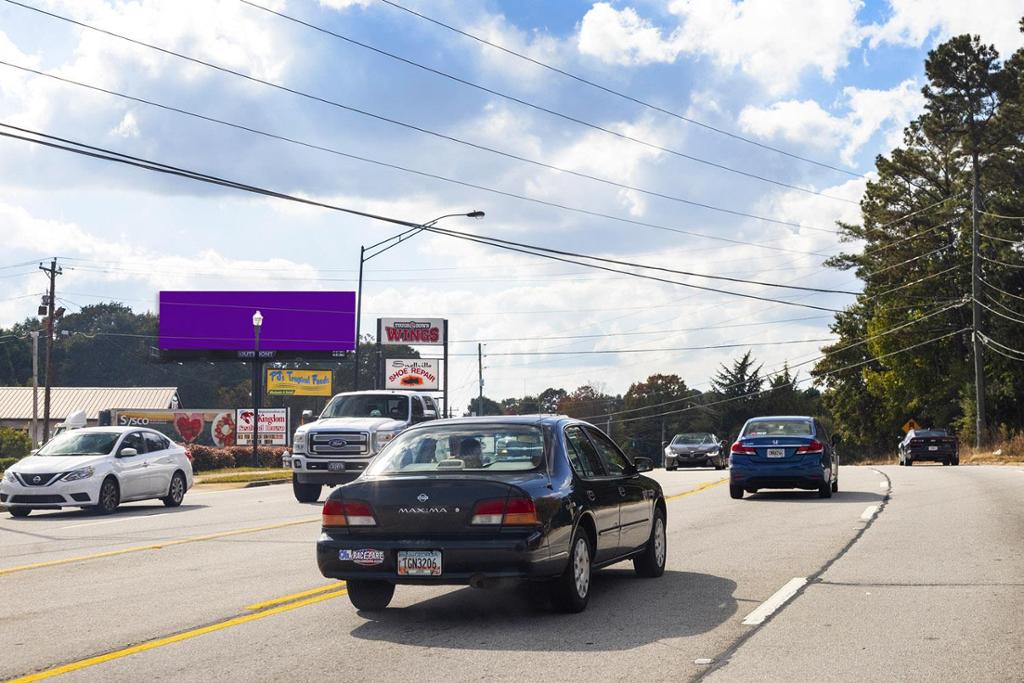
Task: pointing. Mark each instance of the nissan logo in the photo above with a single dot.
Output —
(337, 443)
(36, 479)
(423, 498)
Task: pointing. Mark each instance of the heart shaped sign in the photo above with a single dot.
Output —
(190, 426)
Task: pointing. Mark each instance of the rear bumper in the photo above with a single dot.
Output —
(519, 557)
(792, 475)
(925, 454)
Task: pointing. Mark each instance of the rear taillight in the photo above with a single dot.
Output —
(188, 454)
(348, 513)
(916, 442)
(510, 512)
(740, 449)
(811, 448)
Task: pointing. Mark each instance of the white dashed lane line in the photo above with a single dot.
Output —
(780, 598)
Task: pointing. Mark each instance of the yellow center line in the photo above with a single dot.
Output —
(153, 546)
(176, 638)
(702, 487)
(295, 596)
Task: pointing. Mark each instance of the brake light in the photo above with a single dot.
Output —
(811, 448)
(348, 513)
(511, 512)
(188, 454)
(740, 449)
(916, 442)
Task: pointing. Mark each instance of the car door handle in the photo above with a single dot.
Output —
(622, 491)
(590, 495)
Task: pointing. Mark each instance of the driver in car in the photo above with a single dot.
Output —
(469, 453)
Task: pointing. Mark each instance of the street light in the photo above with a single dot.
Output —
(257, 390)
(392, 241)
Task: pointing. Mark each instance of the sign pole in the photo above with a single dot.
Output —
(359, 313)
(256, 400)
(447, 407)
(379, 365)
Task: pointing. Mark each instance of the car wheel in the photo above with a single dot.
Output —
(909, 462)
(946, 462)
(19, 512)
(825, 490)
(306, 493)
(650, 564)
(571, 591)
(956, 461)
(177, 491)
(110, 496)
(735, 492)
(370, 595)
(835, 486)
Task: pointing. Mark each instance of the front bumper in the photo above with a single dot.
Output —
(462, 559)
(689, 459)
(308, 470)
(81, 493)
(804, 473)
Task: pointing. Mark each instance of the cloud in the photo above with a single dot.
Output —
(128, 128)
(772, 41)
(341, 5)
(913, 22)
(867, 112)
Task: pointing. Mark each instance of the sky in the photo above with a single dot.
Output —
(833, 81)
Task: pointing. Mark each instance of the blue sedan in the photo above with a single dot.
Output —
(786, 452)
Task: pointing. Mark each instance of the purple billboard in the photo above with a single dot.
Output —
(294, 323)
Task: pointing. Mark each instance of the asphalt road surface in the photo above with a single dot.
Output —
(907, 574)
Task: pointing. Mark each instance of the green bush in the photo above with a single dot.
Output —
(7, 462)
(14, 443)
(208, 458)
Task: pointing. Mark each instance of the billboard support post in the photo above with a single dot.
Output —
(359, 313)
(257, 322)
(447, 408)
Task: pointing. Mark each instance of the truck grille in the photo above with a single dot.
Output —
(332, 444)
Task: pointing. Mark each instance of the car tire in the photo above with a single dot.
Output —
(571, 591)
(825, 490)
(19, 512)
(909, 462)
(650, 564)
(735, 492)
(109, 498)
(176, 492)
(956, 461)
(835, 486)
(946, 462)
(306, 493)
(370, 596)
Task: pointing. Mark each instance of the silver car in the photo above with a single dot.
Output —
(699, 449)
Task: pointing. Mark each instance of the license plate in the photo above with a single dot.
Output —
(336, 466)
(933, 448)
(776, 452)
(419, 563)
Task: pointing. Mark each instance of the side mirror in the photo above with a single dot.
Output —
(127, 452)
(643, 464)
(33, 451)
(307, 416)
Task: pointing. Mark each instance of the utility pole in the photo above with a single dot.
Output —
(480, 371)
(980, 436)
(35, 388)
(52, 272)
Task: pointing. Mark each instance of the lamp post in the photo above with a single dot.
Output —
(257, 390)
(367, 253)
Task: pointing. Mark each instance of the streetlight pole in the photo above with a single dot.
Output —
(392, 241)
(257, 390)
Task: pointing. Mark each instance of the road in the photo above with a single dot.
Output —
(911, 574)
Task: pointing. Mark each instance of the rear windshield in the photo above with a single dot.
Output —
(778, 428)
(80, 443)
(931, 432)
(448, 449)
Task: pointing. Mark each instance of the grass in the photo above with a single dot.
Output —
(242, 475)
(239, 470)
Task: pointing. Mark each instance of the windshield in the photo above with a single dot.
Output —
(778, 428)
(368, 405)
(81, 443)
(691, 439)
(450, 449)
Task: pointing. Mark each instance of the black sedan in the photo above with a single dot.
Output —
(929, 444)
(481, 501)
(700, 449)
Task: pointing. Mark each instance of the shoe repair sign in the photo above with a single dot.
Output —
(411, 373)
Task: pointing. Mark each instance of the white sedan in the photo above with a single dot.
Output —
(98, 468)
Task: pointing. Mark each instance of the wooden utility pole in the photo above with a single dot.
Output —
(980, 437)
(52, 272)
(480, 374)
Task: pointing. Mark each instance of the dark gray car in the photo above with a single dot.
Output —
(697, 449)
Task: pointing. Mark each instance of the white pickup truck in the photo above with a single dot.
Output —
(352, 429)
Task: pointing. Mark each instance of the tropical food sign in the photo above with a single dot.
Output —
(299, 382)
(213, 427)
(411, 373)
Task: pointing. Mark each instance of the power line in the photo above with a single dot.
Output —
(1001, 291)
(537, 107)
(108, 155)
(677, 348)
(998, 239)
(998, 215)
(405, 169)
(412, 126)
(1000, 263)
(624, 96)
(1001, 315)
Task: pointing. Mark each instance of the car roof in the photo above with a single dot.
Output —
(378, 392)
(780, 417)
(114, 428)
(540, 419)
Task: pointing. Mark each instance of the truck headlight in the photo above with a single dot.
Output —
(75, 475)
(299, 442)
(382, 439)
